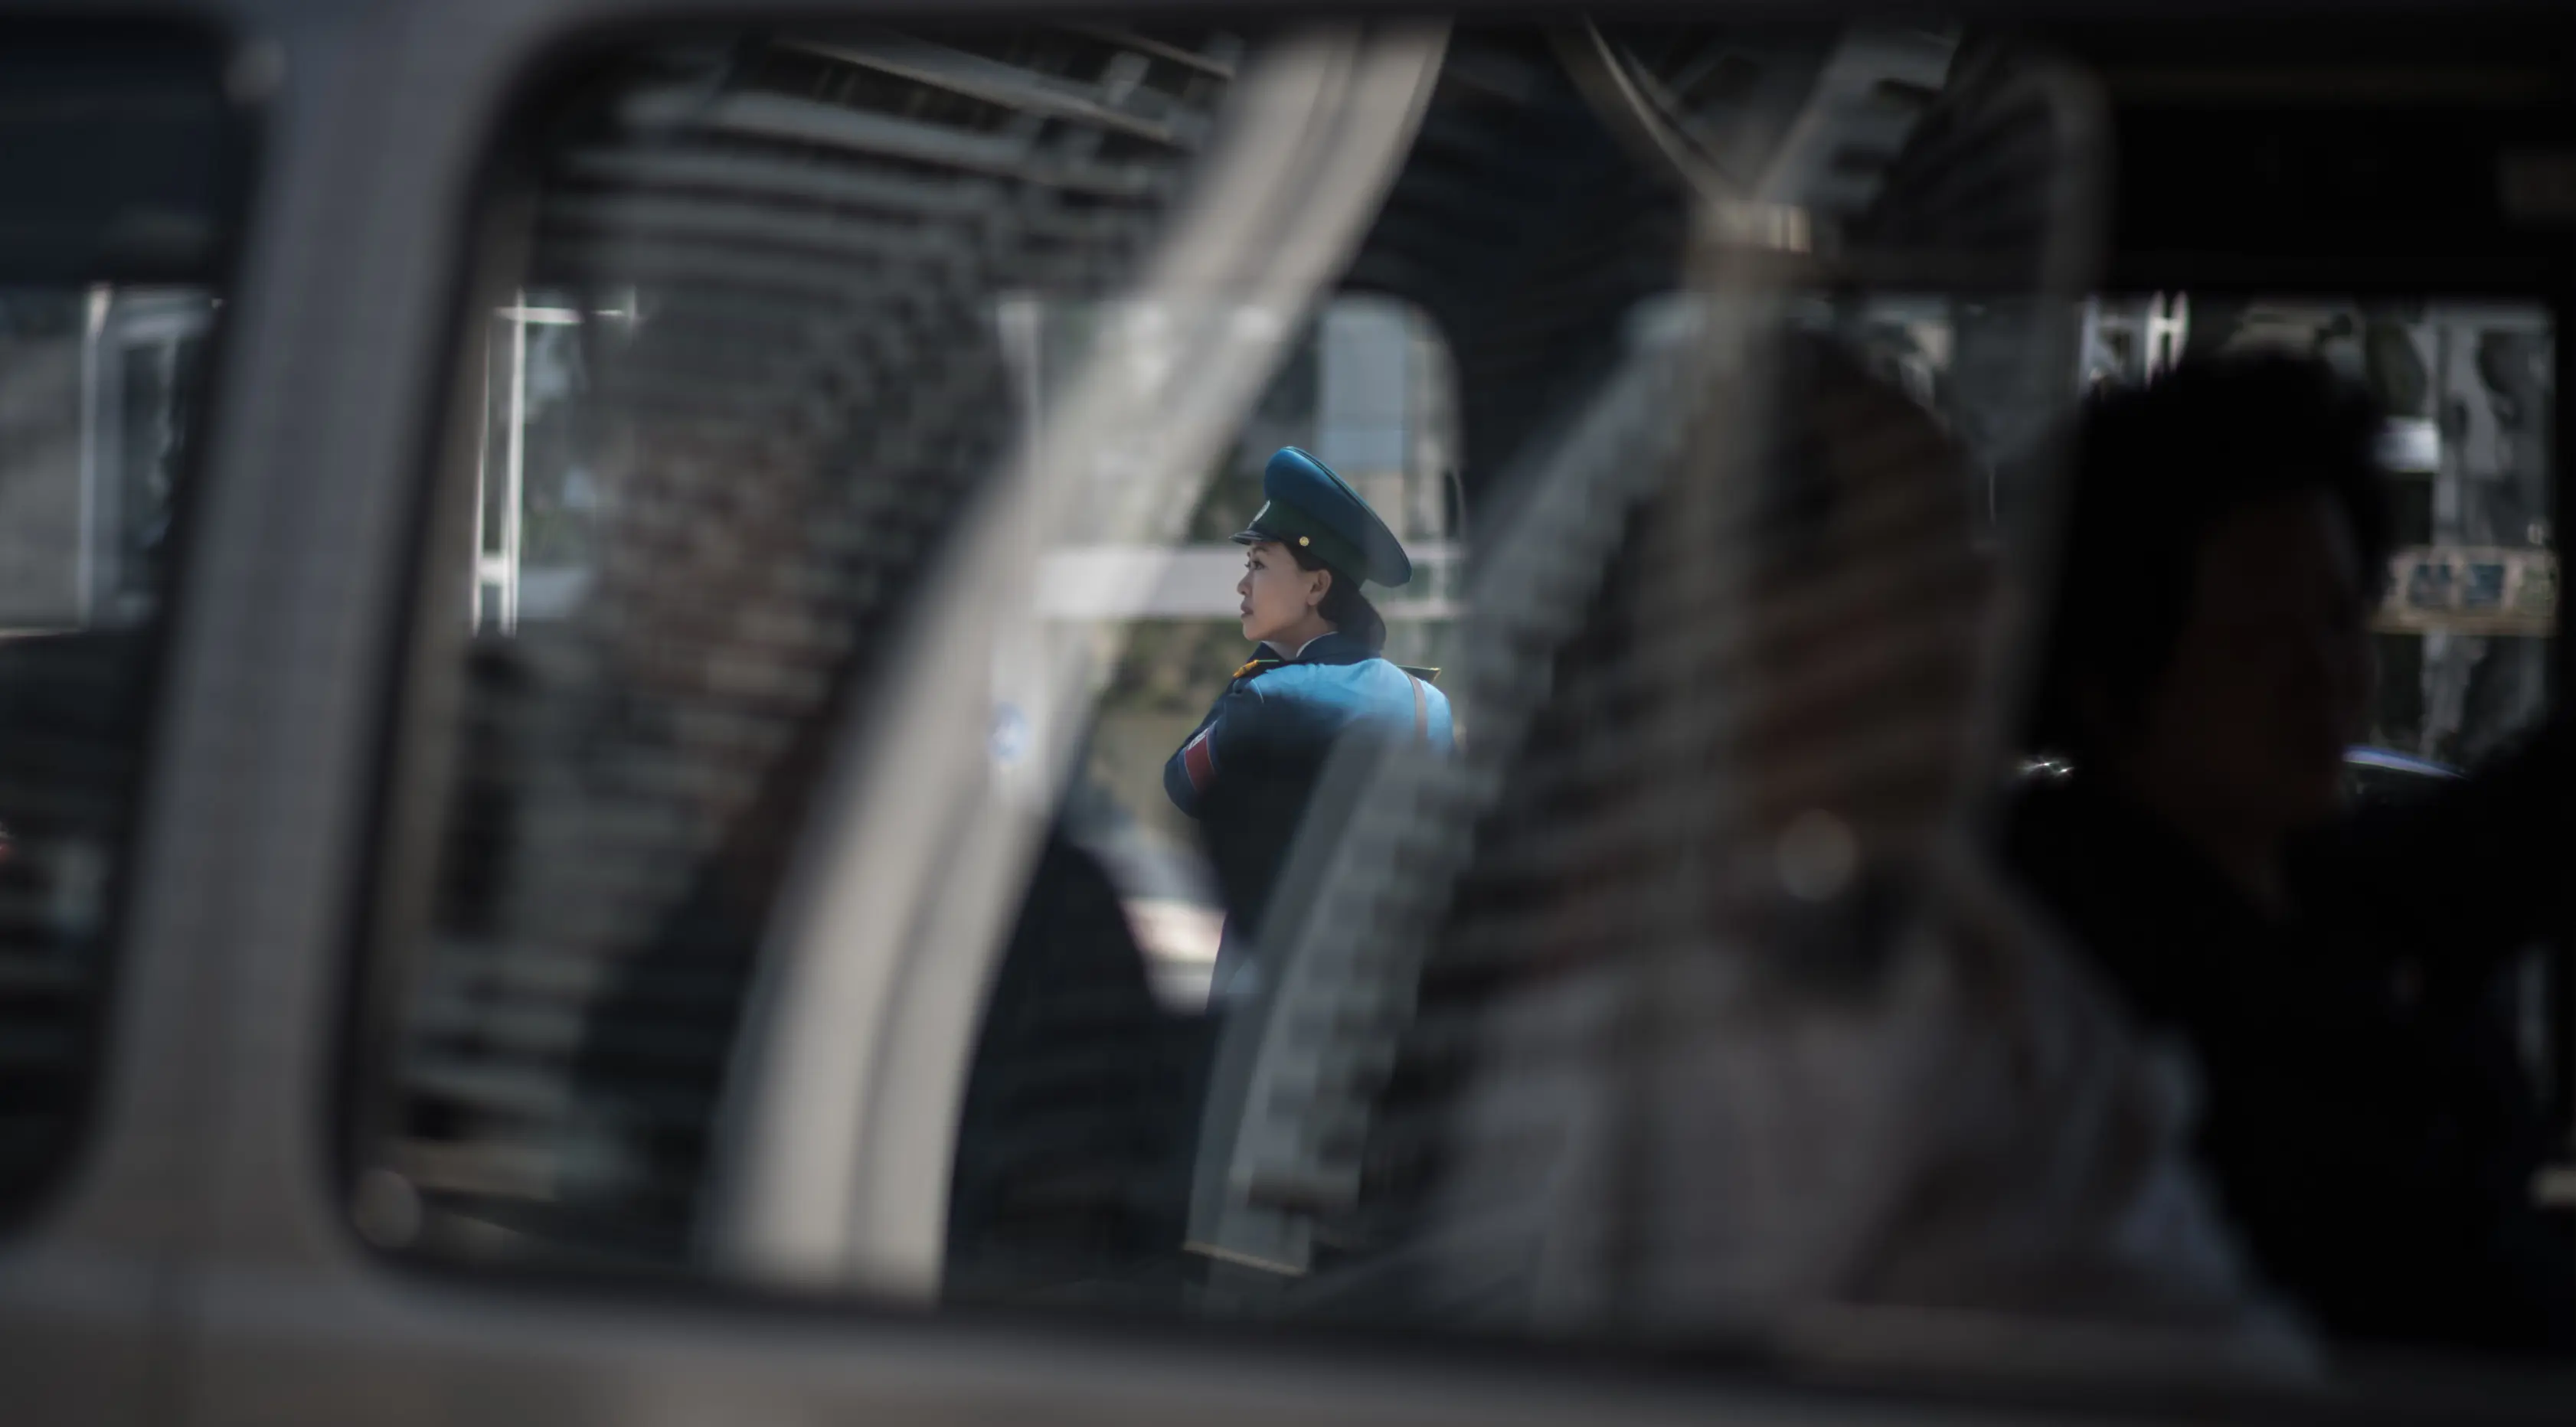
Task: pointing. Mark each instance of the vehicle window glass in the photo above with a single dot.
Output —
(1428, 676)
(120, 172)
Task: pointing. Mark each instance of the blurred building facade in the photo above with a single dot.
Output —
(97, 388)
(2465, 629)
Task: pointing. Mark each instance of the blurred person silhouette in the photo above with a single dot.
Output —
(1249, 769)
(1734, 1029)
(2336, 972)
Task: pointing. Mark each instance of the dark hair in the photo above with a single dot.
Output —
(1344, 607)
(2155, 468)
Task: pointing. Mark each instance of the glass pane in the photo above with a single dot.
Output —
(119, 166)
(1367, 675)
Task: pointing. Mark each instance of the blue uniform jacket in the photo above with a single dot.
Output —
(1246, 772)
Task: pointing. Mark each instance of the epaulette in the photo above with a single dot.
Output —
(1428, 676)
(1257, 666)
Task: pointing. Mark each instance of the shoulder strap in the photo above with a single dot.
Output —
(1421, 710)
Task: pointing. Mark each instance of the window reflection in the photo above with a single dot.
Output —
(822, 895)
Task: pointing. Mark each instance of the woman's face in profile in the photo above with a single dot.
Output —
(1277, 597)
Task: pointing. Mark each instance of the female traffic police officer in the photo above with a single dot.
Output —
(1248, 769)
